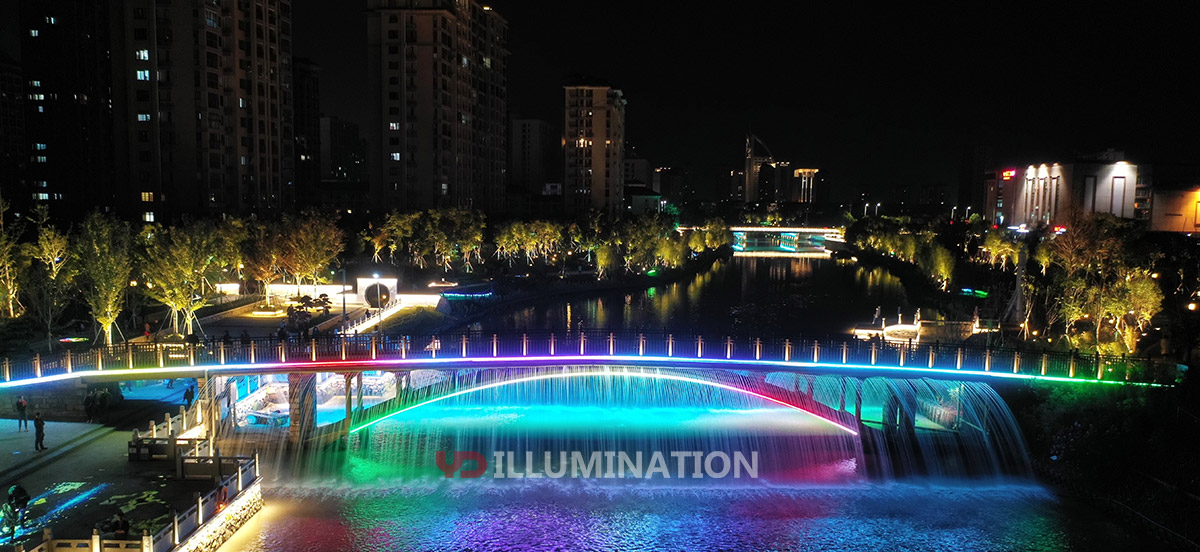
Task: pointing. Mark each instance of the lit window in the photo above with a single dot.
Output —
(35, 83)
(40, 183)
(445, 188)
(41, 196)
(40, 159)
(37, 97)
(148, 216)
(41, 109)
(395, 156)
(143, 55)
(143, 117)
(39, 147)
(241, 102)
(50, 20)
(393, 126)
(143, 74)
(33, 32)
(147, 196)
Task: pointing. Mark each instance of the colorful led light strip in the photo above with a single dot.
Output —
(559, 360)
(572, 375)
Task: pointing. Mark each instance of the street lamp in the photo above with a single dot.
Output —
(877, 208)
(952, 211)
(968, 212)
(865, 205)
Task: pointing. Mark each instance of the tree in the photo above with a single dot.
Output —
(10, 265)
(262, 254)
(716, 233)
(103, 254)
(174, 261)
(49, 276)
(310, 243)
(401, 230)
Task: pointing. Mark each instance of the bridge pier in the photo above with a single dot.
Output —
(302, 404)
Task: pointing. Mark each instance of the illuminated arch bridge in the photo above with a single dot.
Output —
(815, 377)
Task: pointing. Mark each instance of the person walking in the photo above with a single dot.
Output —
(188, 395)
(89, 405)
(39, 432)
(22, 413)
(102, 399)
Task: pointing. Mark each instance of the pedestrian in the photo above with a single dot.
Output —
(245, 338)
(102, 399)
(121, 529)
(89, 405)
(188, 395)
(146, 331)
(22, 413)
(282, 334)
(18, 501)
(226, 338)
(39, 432)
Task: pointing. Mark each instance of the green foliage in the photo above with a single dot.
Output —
(174, 262)
(310, 243)
(103, 251)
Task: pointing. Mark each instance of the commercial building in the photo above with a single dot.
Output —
(436, 82)
(202, 104)
(594, 149)
(1044, 193)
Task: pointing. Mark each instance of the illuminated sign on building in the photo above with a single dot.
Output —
(1008, 174)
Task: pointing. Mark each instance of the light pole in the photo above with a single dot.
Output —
(968, 212)
(877, 208)
(952, 211)
(865, 205)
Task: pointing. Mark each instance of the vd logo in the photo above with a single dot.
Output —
(461, 457)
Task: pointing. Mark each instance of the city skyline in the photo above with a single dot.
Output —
(880, 100)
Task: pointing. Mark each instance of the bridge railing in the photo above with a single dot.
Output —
(826, 350)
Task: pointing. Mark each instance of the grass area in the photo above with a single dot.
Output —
(413, 321)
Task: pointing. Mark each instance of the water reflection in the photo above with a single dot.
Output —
(742, 295)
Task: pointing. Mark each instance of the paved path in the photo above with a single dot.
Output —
(86, 475)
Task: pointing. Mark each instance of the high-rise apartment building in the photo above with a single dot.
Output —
(68, 118)
(308, 147)
(202, 105)
(533, 147)
(13, 147)
(594, 154)
(436, 81)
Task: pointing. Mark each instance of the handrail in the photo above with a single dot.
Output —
(966, 358)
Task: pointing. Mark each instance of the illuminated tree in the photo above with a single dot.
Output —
(262, 254)
(11, 262)
(310, 243)
(102, 249)
(48, 277)
(174, 262)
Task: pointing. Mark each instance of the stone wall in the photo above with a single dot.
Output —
(58, 402)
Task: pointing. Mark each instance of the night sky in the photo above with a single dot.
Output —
(879, 99)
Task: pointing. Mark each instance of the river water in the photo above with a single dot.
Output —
(371, 501)
(745, 296)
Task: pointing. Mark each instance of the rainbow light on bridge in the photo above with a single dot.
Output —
(572, 375)
(433, 363)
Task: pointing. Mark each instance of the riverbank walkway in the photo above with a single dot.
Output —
(85, 475)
